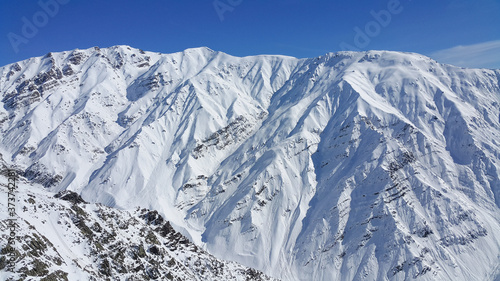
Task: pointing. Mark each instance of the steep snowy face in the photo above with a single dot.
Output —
(353, 166)
(407, 175)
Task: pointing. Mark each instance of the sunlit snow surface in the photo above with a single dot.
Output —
(350, 166)
(68, 239)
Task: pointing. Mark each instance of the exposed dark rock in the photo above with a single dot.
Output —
(153, 218)
(165, 229)
(105, 268)
(67, 70)
(76, 58)
(141, 252)
(151, 238)
(70, 196)
(86, 231)
(37, 173)
(154, 250)
(52, 74)
(234, 132)
(424, 231)
(15, 67)
(58, 275)
(39, 269)
(3, 262)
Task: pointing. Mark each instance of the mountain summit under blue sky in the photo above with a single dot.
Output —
(460, 32)
(364, 166)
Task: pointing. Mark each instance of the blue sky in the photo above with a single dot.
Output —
(461, 32)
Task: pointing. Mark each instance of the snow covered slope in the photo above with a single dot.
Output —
(349, 166)
(68, 239)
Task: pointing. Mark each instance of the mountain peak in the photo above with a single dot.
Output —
(324, 168)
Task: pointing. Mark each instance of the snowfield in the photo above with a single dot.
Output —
(350, 166)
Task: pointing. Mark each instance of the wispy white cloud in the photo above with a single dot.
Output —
(481, 55)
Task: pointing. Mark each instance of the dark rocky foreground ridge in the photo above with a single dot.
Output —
(62, 237)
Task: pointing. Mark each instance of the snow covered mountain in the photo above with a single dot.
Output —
(349, 166)
(59, 240)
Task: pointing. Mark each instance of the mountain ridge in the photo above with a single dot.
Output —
(62, 237)
(226, 147)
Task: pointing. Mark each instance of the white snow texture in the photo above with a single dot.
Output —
(370, 165)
